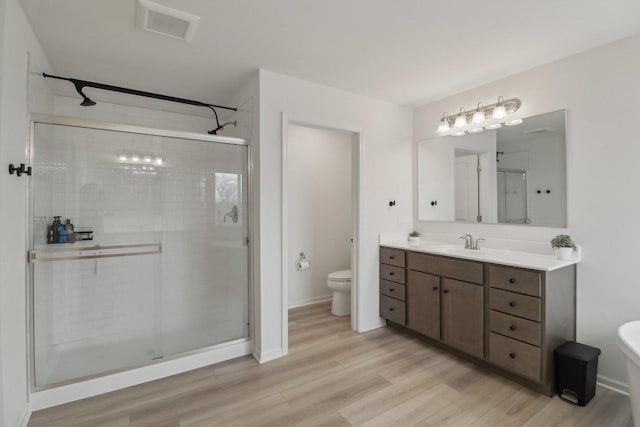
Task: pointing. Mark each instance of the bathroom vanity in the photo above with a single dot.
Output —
(507, 310)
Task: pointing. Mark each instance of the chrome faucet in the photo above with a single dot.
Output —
(468, 241)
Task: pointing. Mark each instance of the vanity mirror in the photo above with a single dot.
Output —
(511, 175)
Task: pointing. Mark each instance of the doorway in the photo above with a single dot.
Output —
(320, 212)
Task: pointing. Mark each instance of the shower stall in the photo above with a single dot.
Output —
(149, 260)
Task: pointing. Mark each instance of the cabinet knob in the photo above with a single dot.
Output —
(513, 327)
(512, 304)
(512, 355)
(512, 280)
(391, 273)
(392, 289)
(392, 257)
(435, 288)
(446, 291)
(391, 308)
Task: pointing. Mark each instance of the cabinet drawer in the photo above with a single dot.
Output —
(468, 271)
(515, 327)
(520, 358)
(392, 256)
(393, 290)
(391, 273)
(513, 279)
(516, 304)
(392, 309)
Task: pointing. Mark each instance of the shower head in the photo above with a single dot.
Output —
(221, 127)
(87, 102)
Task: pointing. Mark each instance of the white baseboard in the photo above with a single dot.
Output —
(24, 420)
(268, 356)
(614, 385)
(95, 386)
(310, 301)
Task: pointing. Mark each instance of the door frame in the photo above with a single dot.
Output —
(357, 174)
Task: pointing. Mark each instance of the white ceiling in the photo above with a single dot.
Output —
(405, 51)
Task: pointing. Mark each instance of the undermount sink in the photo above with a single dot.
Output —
(455, 250)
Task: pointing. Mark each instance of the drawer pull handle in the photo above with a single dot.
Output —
(512, 280)
(391, 273)
(512, 304)
(513, 327)
(435, 288)
(512, 355)
(391, 308)
(446, 291)
(392, 257)
(392, 289)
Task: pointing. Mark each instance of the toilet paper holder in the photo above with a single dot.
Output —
(302, 263)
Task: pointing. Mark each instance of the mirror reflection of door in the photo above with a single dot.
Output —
(466, 187)
(512, 197)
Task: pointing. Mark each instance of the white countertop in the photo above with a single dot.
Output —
(496, 256)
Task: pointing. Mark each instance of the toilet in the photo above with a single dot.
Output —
(629, 342)
(340, 283)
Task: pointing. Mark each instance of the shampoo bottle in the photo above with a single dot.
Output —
(71, 235)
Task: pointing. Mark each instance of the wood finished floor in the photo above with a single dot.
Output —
(335, 377)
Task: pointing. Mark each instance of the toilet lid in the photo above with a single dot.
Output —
(342, 275)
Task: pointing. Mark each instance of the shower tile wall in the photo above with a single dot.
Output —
(128, 310)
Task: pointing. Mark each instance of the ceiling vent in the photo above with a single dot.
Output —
(164, 20)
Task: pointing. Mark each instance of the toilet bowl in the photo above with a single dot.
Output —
(340, 283)
(629, 341)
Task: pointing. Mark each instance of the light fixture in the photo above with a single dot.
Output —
(444, 124)
(499, 112)
(513, 122)
(159, 160)
(122, 157)
(135, 157)
(147, 159)
(461, 119)
(482, 117)
(478, 116)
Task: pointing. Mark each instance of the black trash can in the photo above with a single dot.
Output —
(576, 367)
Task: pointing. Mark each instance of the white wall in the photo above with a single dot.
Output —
(599, 88)
(319, 209)
(386, 132)
(20, 47)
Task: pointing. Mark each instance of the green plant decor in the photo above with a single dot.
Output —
(562, 241)
(414, 234)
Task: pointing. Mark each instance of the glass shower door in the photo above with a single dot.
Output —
(157, 263)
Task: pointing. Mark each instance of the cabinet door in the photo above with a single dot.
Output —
(462, 318)
(423, 303)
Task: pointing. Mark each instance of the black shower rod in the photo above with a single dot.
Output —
(87, 102)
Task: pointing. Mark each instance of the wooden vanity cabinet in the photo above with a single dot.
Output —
(443, 308)
(506, 317)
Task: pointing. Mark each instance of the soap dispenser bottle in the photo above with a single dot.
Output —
(51, 232)
(62, 232)
(71, 235)
(56, 229)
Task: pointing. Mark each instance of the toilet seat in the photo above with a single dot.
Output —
(340, 276)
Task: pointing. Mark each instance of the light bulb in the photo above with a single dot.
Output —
(476, 130)
(444, 124)
(499, 112)
(147, 159)
(478, 116)
(513, 122)
(158, 160)
(493, 126)
(461, 120)
(123, 157)
(135, 158)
